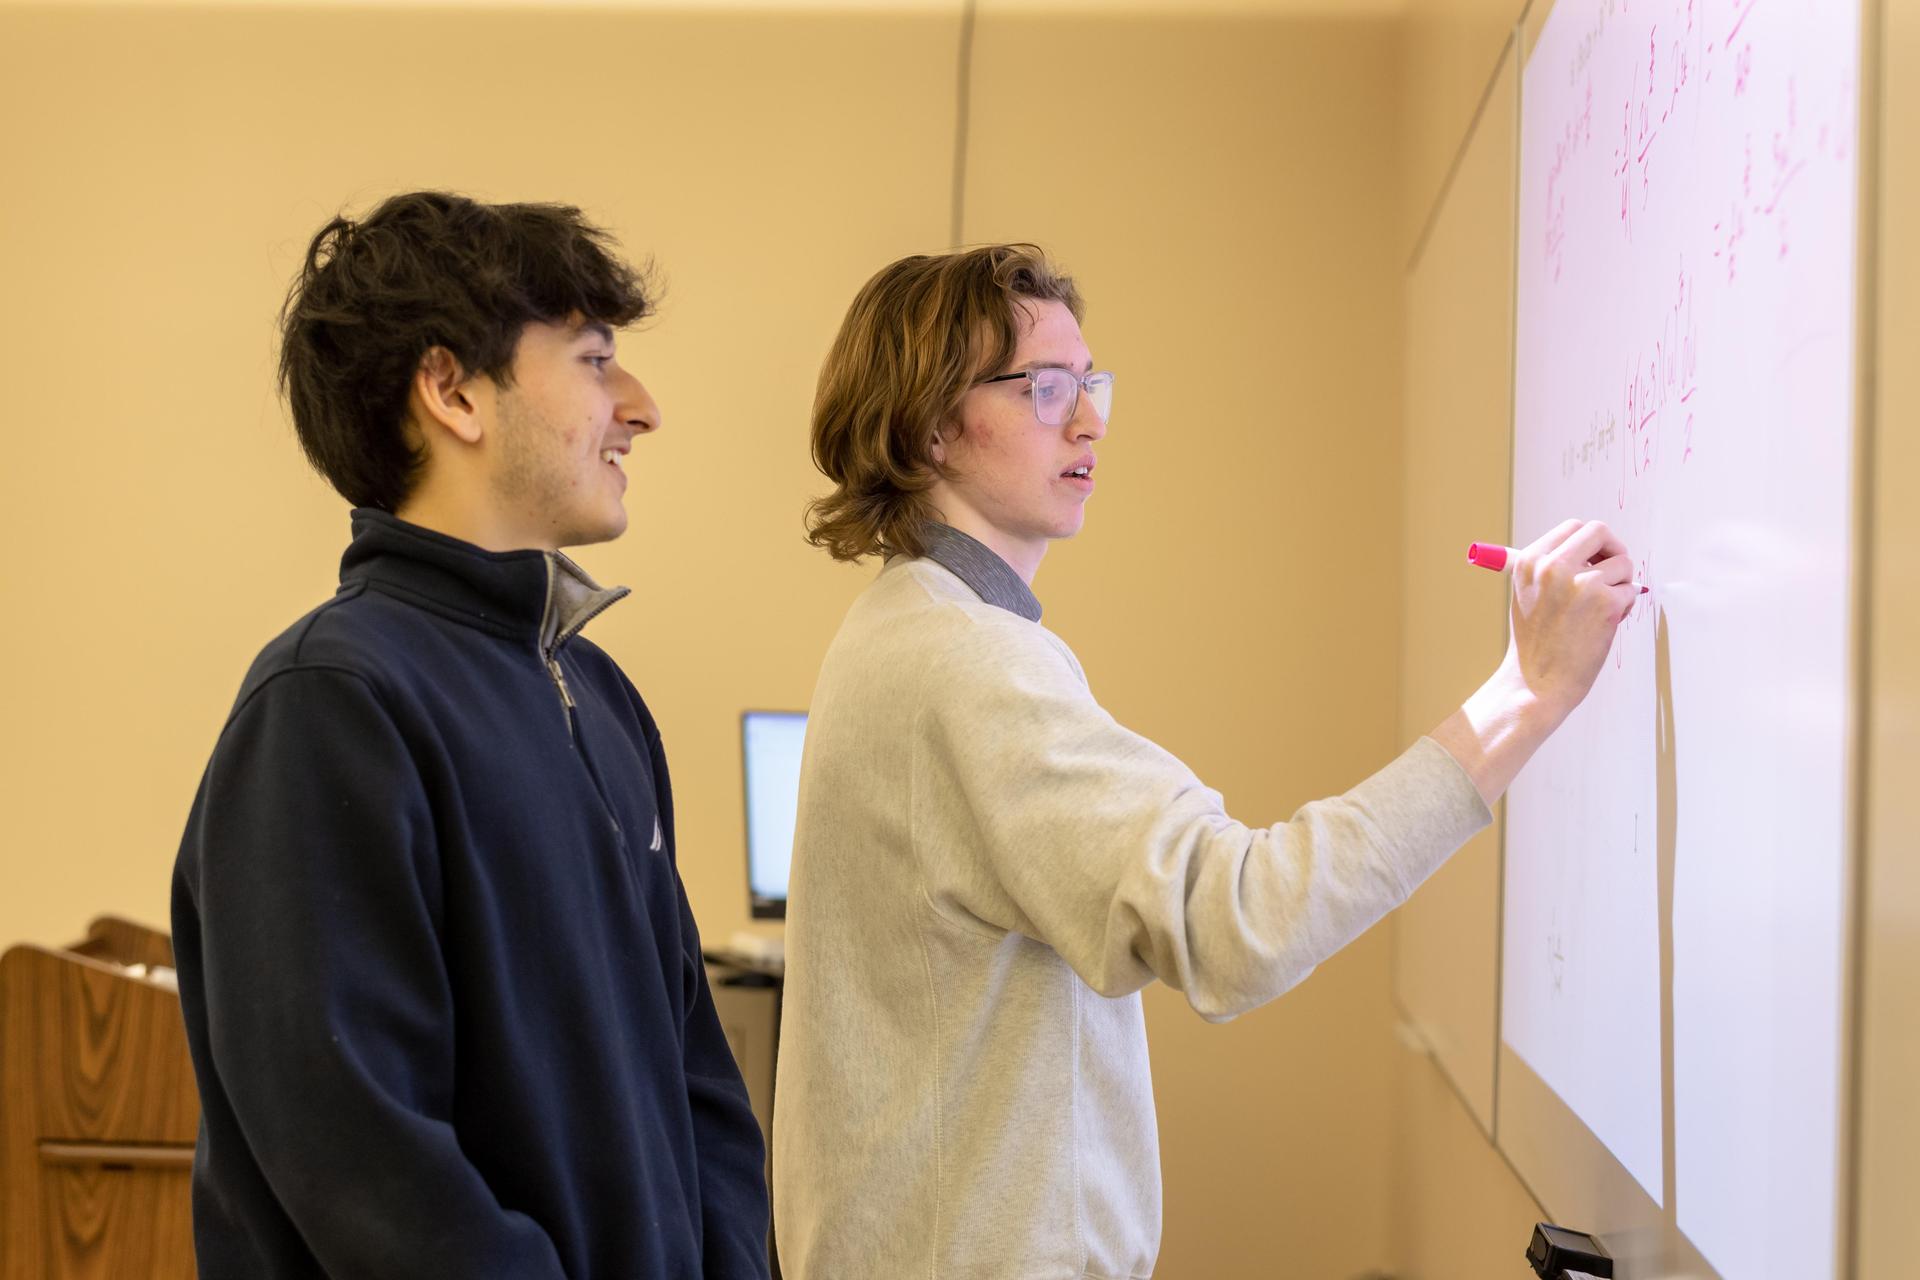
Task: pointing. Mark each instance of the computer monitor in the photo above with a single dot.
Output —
(770, 743)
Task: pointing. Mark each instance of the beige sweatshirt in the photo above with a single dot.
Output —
(987, 870)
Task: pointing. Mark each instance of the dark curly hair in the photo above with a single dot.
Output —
(429, 269)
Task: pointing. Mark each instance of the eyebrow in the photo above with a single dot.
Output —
(597, 328)
(1052, 364)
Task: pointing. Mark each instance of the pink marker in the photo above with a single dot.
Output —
(1491, 555)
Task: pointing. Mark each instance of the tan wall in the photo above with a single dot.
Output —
(1457, 1210)
(164, 171)
(1224, 186)
(1454, 464)
(1449, 49)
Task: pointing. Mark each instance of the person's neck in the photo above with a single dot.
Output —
(458, 515)
(1021, 555)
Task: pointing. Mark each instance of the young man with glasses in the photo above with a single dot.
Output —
(442, 988)
(988, 868)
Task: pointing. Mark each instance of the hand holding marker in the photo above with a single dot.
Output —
(1572, 588)
(1491, 555)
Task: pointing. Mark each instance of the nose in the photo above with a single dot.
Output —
(635, 406)
(1086, 422)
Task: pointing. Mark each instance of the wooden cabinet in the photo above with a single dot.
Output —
(98, 1112)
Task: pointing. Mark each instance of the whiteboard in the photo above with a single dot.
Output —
(1676, 866)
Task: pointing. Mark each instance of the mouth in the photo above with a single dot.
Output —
(613, 459)
(1080, 475)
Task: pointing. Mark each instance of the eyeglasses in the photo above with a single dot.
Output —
(1056, 392)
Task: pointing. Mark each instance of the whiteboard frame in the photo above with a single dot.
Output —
(1867, 427)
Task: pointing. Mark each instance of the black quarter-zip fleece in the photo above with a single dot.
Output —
(442, 987)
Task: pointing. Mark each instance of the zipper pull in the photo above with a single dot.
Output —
(560, 681)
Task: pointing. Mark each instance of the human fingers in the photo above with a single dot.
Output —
(1611, 571)
(1625, 597)
(1590, 542)
(1552, 538)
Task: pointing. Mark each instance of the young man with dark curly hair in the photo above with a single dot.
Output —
(442, 987)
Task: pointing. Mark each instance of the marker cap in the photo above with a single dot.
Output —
(1488, 555)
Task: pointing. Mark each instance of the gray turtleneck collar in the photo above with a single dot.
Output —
(974, 563)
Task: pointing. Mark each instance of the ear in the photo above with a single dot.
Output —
(442, 397)
(943, 433)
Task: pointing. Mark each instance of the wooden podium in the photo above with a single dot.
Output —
(98, 1112)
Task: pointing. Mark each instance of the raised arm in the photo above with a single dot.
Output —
(1036, 813)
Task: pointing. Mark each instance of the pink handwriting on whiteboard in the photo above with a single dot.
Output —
(1573, 141)
(1658, 400)
(1764, 201)
(1640, 609)
(1665, 94)
(1659, 390)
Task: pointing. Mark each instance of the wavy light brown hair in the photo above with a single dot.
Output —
(917, 337)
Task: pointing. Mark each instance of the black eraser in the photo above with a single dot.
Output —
(1555, 1251)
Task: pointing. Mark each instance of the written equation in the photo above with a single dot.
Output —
(1664, 115)
(1656, 399)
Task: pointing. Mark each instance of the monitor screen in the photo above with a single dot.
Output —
(770, 743)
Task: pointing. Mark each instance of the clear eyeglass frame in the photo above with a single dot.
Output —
(1056, 392)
